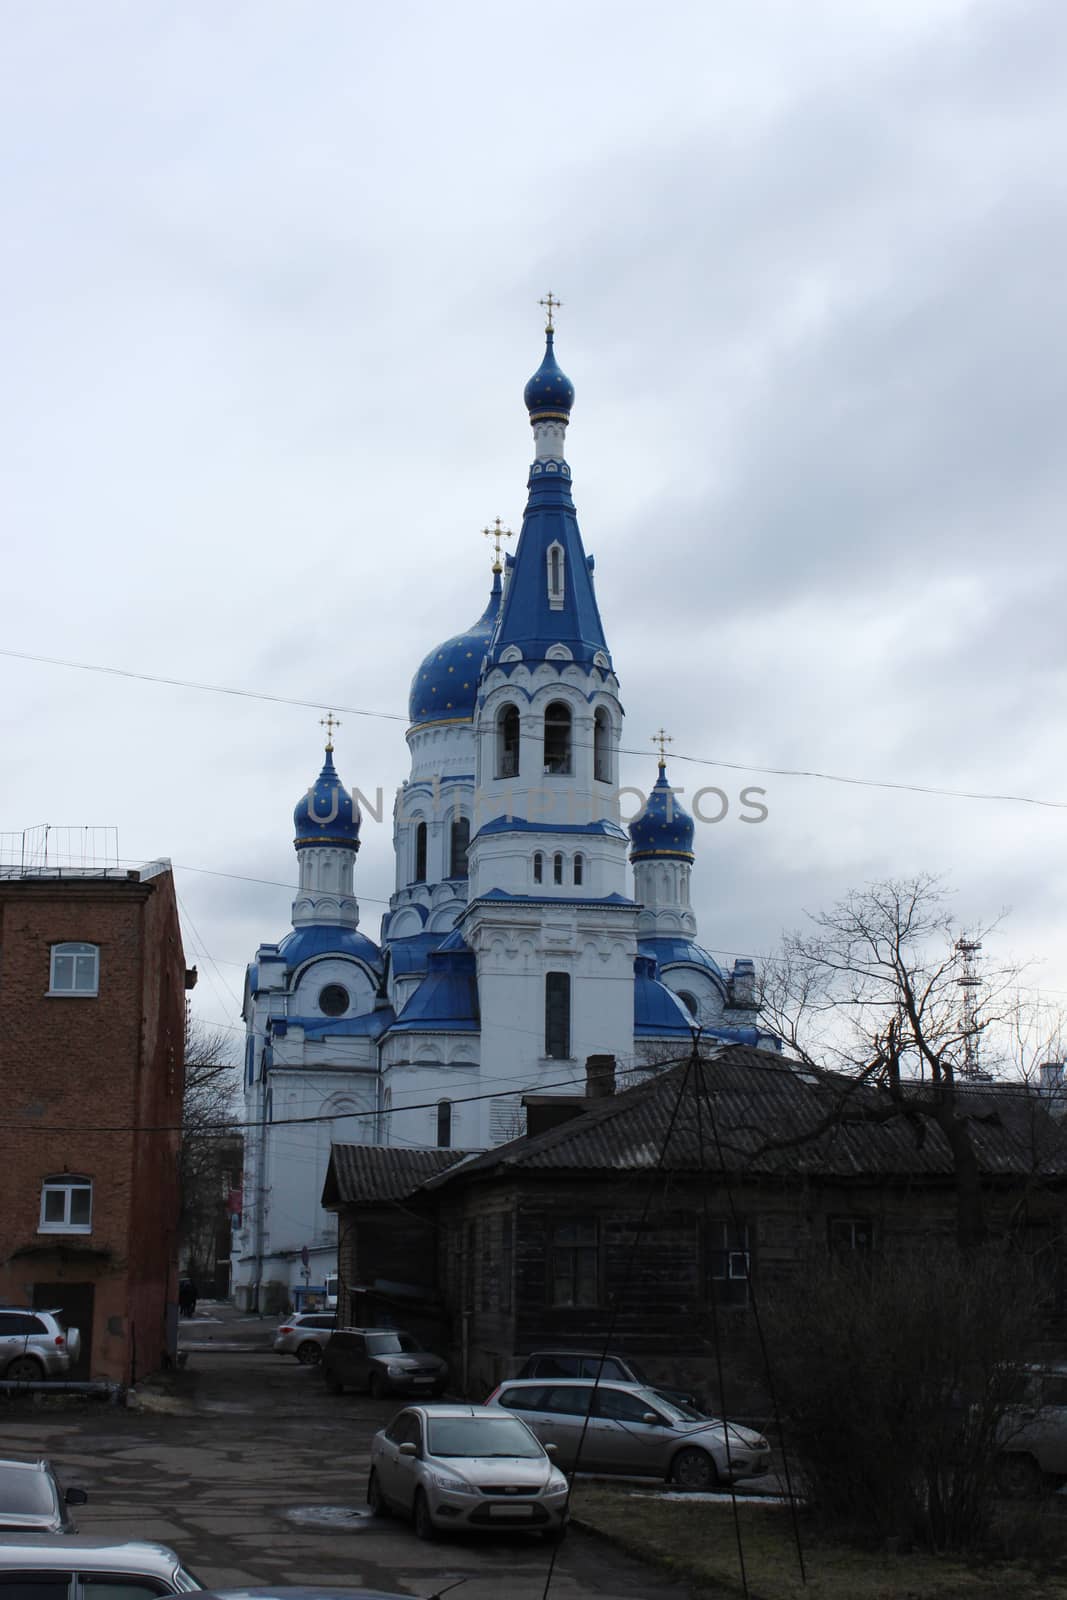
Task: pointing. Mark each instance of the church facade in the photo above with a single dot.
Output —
(528, 928)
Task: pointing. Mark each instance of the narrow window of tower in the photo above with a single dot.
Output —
(538, 867)
(558, 737)
(557, 869)
(507, 742)
(460, 844)
(602, 746)
(555, 577)
(579, 869)
(420, 852)
(557, 1015)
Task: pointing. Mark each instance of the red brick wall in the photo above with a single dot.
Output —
(78, 1077)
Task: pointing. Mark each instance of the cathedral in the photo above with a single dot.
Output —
(516, 943)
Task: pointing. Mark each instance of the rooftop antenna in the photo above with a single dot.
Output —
(969, 984)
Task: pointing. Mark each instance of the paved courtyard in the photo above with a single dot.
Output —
(256, 1475)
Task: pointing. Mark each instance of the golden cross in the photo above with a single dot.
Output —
(550, 304)
(663, 740)
(329, 722)
(497, 532)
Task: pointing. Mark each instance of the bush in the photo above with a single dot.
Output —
(893, 1381)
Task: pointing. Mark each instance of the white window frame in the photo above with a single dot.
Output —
(65, 1184)
(556, 590)
(74, 949)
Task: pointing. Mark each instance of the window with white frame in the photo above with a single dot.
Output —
(75, 969)
(556, 576)
(66, 1204)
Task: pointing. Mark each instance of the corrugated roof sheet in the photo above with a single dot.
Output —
(365, 1172)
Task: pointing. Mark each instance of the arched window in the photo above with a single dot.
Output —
(75, 969)
(444, 1124)
(602, 746)
(689, 1001)
(539, 867)
(556, 570)
(558, 737)
(420, 852)
(579, 869)
(557, 868)
(66, 1204)
(507, 742)
(460, 843)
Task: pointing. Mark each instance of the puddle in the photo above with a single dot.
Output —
(329, 1516)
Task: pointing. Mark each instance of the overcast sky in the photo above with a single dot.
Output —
(270, 299)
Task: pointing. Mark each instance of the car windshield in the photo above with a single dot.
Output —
(24, 1492)
(482, 1436)
(391, 1344)
(679, 1408)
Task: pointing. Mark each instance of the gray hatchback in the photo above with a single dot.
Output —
(381, 1361)
(31, 1500)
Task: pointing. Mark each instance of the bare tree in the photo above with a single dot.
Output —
(873, 990)
(209, 1129)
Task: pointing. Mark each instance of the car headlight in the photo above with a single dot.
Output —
(557, 1483)
(395, 1372)
(761, 1444)
(451, 1485)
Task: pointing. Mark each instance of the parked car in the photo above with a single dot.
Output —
(31, 1500)
(1032, 1436)
(304, 1335)
(602, 1364)
(466, 1467)
(34, 1345)
(381, 1360)
(50, 1562)
(632, 1429)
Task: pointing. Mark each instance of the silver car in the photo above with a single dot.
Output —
(304, 1336)
(1032, 1436)
(466, 1468)
(79, 1567)
(34, 1345)
(628, 1428)
(31, 1500)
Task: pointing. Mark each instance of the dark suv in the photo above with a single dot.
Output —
(605, 1365)
(381, 1360)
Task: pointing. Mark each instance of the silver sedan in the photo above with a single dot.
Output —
(466, 1468)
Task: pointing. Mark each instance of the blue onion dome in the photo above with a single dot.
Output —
(327, 814)
(662, 827)
(549, 393)
(445, 687)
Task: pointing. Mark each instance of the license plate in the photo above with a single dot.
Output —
(422, 1383)
(511, 1511)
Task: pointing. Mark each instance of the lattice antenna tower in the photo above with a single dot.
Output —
(969, 984)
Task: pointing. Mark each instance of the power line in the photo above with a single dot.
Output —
(395, 716)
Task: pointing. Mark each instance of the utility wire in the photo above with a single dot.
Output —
(395, 716)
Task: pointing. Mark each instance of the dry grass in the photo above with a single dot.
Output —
(698, 1541)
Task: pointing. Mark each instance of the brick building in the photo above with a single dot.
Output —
(642, 1220)
(92, 1024)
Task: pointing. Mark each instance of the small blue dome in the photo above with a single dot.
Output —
(662, 827)
(445, 687)
(327, 814)
(549, 393)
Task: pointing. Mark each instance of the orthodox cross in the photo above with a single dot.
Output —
(550, 304)
(496, 533)
(663, 740)
(329, 722)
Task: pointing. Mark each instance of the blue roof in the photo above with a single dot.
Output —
(327, 814)
(446, 1000)
(670, 951)
(371, 1024)
(445, 687)
(410, 956)
(528, 619)
(325, 939)
(657, 1012)
(603, 826)
(551, 899)
(549, 393)
(662, 827)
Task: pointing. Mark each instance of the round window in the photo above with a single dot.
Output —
(333, 1000)
(688, 1001)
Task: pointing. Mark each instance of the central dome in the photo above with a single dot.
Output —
(445, 687)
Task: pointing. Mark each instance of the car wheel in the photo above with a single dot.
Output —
(424, 1528)
(375, 1386)
(694, 1469)
(309, 1354)
(1019, 1476)
(25, 1369)
(375, 1498)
